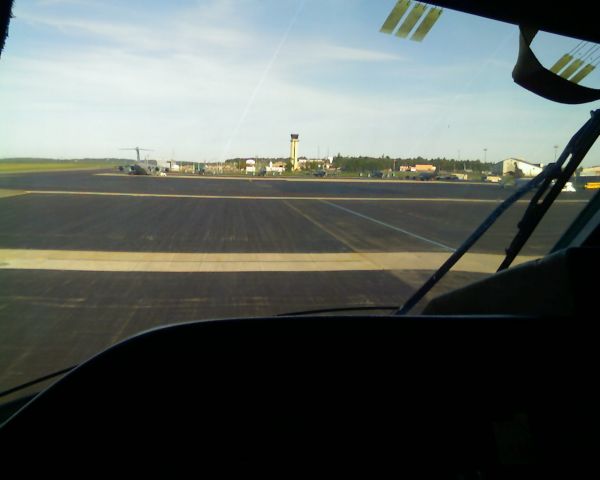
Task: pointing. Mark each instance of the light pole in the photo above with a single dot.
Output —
(485, 155)
(555, 151)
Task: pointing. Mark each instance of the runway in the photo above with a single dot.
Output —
(87, 259)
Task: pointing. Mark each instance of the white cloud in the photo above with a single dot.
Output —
(167, 36)
(53, 3)
(314, 52)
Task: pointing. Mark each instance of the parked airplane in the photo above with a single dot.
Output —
(154, 167)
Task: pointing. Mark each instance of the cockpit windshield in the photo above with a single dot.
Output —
(164, 162)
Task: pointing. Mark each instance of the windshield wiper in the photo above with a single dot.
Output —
(577, 149)
(36, 381)
(574, 152)
(361, 308)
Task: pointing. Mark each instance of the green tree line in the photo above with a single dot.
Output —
(362, 163)
(384, 163)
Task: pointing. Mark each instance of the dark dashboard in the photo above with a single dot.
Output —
(501, 395)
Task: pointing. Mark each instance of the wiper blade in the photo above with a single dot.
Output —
(392, 308)
(577, 148)
(36, 381)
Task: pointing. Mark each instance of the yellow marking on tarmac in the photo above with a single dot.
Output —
(11, 193)
(327, 230)
(102, 261)
(275, 197)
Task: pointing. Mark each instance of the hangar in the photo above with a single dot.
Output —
(510, 166)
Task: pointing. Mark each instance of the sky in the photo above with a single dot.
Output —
(216, 79)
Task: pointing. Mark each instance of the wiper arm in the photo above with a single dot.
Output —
(469, 242)
(577, 148)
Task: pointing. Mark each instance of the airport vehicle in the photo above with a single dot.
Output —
(495, 380)
(320, 173)
(376, 174)
(493, 179)
(426, 176)
(569, 187)
(447, 177)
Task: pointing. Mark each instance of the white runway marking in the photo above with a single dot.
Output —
(392, 227)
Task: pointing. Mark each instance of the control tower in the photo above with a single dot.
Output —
(294, 151)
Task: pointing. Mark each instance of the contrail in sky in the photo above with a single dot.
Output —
(261, 80)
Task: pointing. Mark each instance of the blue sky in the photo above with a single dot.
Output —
(209, 80)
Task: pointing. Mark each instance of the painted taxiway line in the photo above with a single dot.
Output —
(275, 197)
(103, 261)
(4, 193)
(392, 227)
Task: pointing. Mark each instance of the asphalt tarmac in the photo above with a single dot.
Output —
(88, 258)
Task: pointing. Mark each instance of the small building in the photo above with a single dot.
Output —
(424, 168)
(590, 172)
(251, 166)
(512, 166)
(277, 167)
